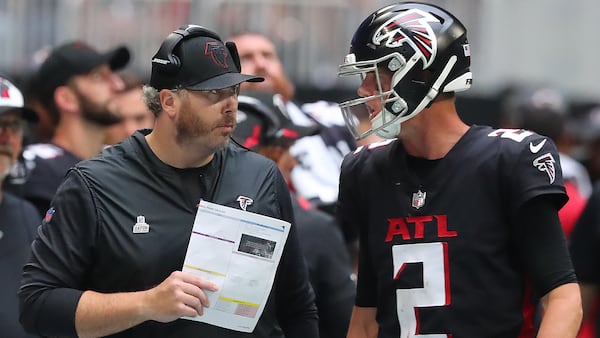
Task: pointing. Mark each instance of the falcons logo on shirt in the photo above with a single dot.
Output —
(545, 163)
(412, 27)
(244, 202)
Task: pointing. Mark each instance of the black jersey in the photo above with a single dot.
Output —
(584, 245)
(87, 240)
(584, 240)
(18, 224)
(329, 267)
(38, 174)
(436, 247)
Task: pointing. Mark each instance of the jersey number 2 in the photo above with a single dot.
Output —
(435, 291)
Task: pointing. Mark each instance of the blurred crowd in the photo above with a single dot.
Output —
(79, 100)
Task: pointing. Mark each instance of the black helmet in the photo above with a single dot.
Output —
(262, 119)
(422, 46)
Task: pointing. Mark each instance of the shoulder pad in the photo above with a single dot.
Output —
(517, 135)
(42, 150)
(327, 113)
(373, 146)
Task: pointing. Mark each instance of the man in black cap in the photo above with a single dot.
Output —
(320, 156)
(74, 85)
(18, 219)
(264, 126)
(96, 271)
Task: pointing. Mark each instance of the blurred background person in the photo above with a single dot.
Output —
(47, 121)
(585, 239)
(75, 83)
(129, 105)
(263, 126)
(588, 135)
(585, 254)
(18, 218)
(545, 110)
(319, 157)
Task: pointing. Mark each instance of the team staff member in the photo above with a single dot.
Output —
(316, 176)
(92, 275)
(18, 218)
(585, 253)
(74, 85)
(457, 223)
(264, 126)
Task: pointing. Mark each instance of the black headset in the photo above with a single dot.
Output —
(167, 62)
(248, 104)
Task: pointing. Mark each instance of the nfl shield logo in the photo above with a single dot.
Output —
(418, 199)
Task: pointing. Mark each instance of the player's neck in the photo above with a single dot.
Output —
(432, 133)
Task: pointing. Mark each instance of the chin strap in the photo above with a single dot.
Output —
(392, 129)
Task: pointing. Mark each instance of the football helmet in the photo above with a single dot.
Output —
(421, 47)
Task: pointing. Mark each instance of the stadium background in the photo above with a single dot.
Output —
(513, 42)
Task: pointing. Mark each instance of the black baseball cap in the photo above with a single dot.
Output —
(76, 58)
(11, 99)
(203, 63)
(262, 120)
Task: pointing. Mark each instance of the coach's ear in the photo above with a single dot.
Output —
(170, 102)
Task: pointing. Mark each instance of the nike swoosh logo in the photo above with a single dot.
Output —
(536, 148)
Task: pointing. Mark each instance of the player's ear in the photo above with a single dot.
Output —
(65, 99)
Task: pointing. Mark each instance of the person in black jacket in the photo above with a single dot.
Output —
(92, 273)
(263, 126)
(18, 217)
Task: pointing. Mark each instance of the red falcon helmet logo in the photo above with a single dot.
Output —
(218, 53)
(411, 26)
(4, 89)
(4, 93)
(545, 163)
(10, 96)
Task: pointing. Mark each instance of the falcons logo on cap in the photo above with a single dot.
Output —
(545, 163)
(411, 26)
(218, 53)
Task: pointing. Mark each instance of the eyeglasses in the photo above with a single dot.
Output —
(225, 92)
(216, 95)
(15, 125)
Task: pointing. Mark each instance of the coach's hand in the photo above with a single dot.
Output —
(181, 294)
